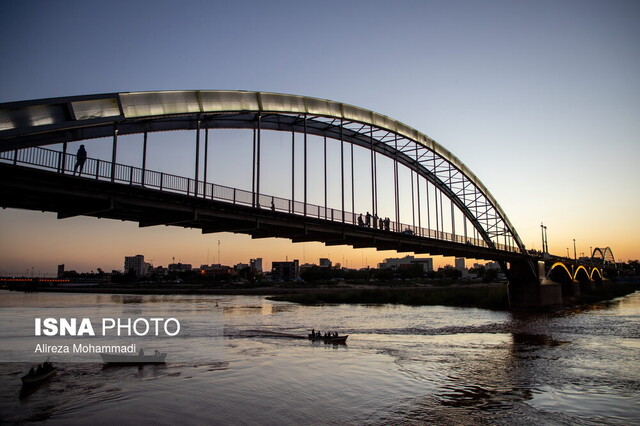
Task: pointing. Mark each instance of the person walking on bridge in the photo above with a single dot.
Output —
(81, 157)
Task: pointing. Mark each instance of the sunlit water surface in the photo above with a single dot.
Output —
(402, 365)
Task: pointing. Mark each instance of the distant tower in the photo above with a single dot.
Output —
(136, 264)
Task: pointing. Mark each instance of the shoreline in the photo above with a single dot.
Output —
(493, 296)
(250, 290)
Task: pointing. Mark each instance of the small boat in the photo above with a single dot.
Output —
(40, 374)
(140, 358)
(337, 340)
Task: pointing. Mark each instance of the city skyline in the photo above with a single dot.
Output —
(539, 101)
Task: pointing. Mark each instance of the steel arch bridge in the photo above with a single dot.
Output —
(62, 120)
(34, 176)
(603, 256)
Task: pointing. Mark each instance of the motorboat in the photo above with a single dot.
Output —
(39, 374)
(337, 340)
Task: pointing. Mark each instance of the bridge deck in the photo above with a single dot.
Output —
(67, 195)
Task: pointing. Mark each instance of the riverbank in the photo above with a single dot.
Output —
(484, 296)
(480, 296)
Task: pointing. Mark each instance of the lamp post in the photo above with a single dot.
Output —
(545, 244)
(575, 257)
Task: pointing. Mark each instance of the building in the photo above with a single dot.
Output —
(325, 263)
(492, 265)
(488, 265)
(180, 267)
(240, 266)
(395, 263)
(460, 266)
(306, 266)
(256, 264)
(285, 271)
(137, 265)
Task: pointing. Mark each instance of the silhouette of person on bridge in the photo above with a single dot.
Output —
(81, 157)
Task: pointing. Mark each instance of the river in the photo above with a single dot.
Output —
(401, 365)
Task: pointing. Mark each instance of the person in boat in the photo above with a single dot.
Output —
(31, 372)
(313, 332)
(141, 353)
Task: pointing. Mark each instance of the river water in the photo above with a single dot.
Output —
(402, 365)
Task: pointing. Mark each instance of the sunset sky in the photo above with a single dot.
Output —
(541, 100)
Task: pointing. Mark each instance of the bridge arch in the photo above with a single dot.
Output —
(603, 256)
(61, 120)
(560, 273)
(581, 274)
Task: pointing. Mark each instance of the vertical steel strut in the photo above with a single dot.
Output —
(114, 153)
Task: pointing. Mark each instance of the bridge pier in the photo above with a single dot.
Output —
(529, 290)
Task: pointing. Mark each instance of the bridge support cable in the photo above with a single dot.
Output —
(144, 158)
(293, 171)
(342, 170)
(437, 211)
(305, 165)
(253, 171)
(258, 151)
(325, 176)
(396, 189)
(197, 165)
(114, 152)
(426, 186)
(418, 203)
(353, 192)
(206, 160)
(442, 216)
(373, 174)
(413, 207)
(453, 220)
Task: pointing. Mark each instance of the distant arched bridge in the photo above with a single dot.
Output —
(452, 212)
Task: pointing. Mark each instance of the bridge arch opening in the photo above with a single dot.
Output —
(596, 276)
(583, 277)
(561, 274)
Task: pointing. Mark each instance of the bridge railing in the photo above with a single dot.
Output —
(47, 159)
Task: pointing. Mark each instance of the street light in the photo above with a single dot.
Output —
(545, 244)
